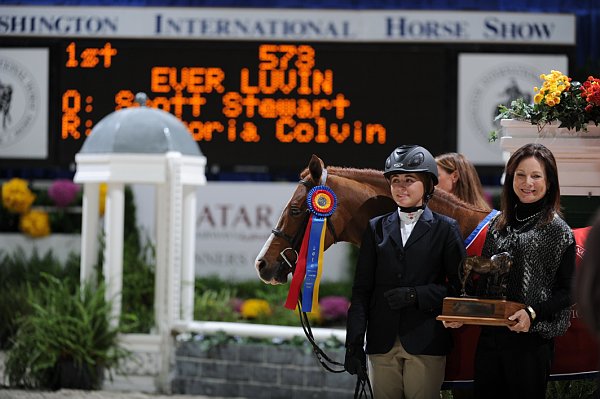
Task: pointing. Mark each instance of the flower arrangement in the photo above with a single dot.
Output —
(39, 211)
(560, 99)
(18, 198)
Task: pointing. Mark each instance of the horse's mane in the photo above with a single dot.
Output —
(457, 202)
(375, 177)
(372, 176)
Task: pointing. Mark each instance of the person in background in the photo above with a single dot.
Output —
(458, 176)
(515, 361)
(587, 282)
(408, 262)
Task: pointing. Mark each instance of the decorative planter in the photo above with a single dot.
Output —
(69, 375)
(577, 153)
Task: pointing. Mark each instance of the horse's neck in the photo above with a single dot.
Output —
(365, 194)
(467, 216)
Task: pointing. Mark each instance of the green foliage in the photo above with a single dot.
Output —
(138, 284)
(17, 272)
(66, 322)
(215, 297)
(518, 109)
(215, 306)
(280, 316)
(220, 338)
(571, 389)
(258, 289)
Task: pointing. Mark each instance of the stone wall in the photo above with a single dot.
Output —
(258, 371)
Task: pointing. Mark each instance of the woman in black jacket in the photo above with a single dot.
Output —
(408, 263)
(515, 362)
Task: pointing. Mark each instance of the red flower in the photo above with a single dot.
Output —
(590, 90)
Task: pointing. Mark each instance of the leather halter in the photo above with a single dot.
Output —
(296, 239)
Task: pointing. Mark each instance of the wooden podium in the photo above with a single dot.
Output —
(480, 311)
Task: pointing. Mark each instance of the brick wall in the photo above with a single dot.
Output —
(258, 371)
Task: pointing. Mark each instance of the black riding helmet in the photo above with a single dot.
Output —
(412, 159)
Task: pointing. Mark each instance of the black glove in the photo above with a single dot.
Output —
(355, 361)
(399, 298)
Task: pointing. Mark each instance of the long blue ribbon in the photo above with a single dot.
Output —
(312, 262)
(480, 226)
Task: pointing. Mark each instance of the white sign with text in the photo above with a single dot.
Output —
(200, 23)
(233, 221)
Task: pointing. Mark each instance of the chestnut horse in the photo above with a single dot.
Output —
(361, 195)
(365, 193)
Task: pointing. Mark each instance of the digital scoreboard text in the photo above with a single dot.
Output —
(260, 104)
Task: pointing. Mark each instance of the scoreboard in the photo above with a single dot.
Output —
(264, 89)
(258, 104)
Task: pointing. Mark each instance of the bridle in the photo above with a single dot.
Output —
(295, 241)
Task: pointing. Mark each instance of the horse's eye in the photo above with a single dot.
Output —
(294, 211)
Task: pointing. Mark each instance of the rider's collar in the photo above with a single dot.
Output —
(407, 215)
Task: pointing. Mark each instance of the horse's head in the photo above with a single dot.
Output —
(279, 254)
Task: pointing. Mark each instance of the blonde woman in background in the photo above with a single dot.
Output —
(458, 176)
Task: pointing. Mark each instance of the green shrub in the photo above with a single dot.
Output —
(215, 306)
(66, 323)
(17, 272)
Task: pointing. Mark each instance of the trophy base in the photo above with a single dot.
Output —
(479, 311)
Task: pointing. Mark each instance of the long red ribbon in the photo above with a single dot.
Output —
(299, 273)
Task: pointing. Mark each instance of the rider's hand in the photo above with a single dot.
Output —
(401, 297)
(355, 361)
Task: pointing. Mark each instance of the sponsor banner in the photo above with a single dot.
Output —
(289, 24)
(233, 222)
(24, 103)
(484, 82)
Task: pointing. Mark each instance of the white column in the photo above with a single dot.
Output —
(188, 253)
(113, 251)
(175, 228)
(89, 231)
(162, 233)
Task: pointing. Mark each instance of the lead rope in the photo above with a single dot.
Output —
(360, 390)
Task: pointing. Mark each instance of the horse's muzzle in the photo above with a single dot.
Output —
(274, 274)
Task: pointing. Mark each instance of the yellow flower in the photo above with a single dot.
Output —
(538, 98)
(252, 308)
(35, 223)
(554, 84)
(16, 196)
(102, 200)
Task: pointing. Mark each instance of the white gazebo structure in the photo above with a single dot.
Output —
(143, 145)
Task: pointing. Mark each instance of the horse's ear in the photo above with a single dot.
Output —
(315, 167)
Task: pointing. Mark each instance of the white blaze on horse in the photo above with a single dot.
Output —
(365, 193)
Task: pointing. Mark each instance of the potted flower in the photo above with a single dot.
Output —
(66, 340)
(564, 116)
(560, 102)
